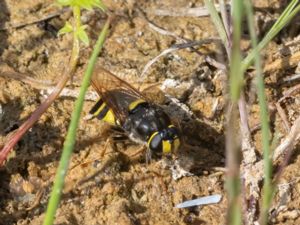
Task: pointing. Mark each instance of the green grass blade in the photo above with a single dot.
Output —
(218, 23)
(232, 143)
(264, 117)
(236, 75)
(282, 21)
(71, 136)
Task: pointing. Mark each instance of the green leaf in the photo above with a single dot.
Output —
(82, 35)
(99, 4)
(66, 29)
(86, 4)
(90, 4)
(64, 2)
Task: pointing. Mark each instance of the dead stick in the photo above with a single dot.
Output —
(6, 71)
(23, 24)
(33, 118)
(290, 140)
(172, 49)
(184, 12)
(283, 117)
(289, 92)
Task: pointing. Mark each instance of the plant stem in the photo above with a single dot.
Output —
(13, 139)
(71, 136)
(76, 26)
(218, 24)
(232, 164)
(232, 143)
(283, 20)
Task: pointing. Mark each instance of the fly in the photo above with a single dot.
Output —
(142, 120)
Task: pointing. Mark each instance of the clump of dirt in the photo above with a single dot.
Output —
(109, 181)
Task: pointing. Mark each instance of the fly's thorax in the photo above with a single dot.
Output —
(145, 119)
(149, 123)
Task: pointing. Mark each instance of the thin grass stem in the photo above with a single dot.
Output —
(76, 48)
(218, 23)
(264, 117)
(232, 143)
(71, 135)
(290, 11)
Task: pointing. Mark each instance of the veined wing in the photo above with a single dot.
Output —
(115, 92)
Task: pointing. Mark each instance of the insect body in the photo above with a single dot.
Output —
(122, 105)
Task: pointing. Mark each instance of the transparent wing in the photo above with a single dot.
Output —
(115, 92)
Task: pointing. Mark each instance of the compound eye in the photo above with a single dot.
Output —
(155, 143)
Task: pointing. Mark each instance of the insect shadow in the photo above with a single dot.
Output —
(202, 145)
(28, 149)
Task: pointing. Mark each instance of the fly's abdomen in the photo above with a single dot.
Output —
(102, 112)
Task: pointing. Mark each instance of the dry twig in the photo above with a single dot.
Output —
(248, 149)
(162, 31)
(289, 141)
(291, 78)
(73, 93)
(172, 49)
(27, 23)
(283, 117)
(8, 72)
(184, 12)
(289, 92)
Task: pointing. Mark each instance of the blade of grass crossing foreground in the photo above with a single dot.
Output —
(218, 23)
(71, 136)
(232, 143)
(225, 18)
(236, 76)
(264, 117)
(290, 11)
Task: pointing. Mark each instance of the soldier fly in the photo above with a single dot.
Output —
(142, 120)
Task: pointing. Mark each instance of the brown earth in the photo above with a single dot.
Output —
(108, 182)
